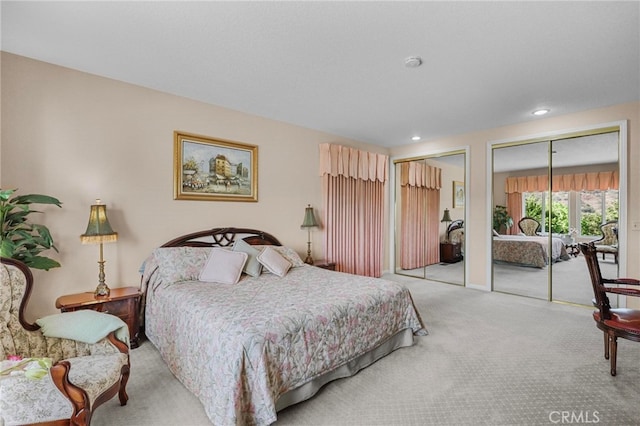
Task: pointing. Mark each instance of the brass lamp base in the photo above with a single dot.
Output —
(102, 290)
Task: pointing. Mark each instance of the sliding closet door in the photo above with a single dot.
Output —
(520, 178)
(585, 180)
(570, 187)
(425, 188)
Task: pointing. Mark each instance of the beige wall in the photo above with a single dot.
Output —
(78, 137)
(477, 235)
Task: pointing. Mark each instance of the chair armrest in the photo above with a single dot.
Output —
(624, 291)
(76, 396)
(621, 281)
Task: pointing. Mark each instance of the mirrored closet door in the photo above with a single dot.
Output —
(548, 196)
(429, 217)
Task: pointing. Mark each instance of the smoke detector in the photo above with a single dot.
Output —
(413, 62)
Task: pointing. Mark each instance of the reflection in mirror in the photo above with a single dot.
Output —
(430, 208)
(557, 194)
(584, 207)
(519, 264)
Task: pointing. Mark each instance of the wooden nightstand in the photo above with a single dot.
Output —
(450, 252)
(325, 265)
(122, 302)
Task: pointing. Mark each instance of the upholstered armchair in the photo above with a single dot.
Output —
(529, 226)
(83, 375)
(608, 242)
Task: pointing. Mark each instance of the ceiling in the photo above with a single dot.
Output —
(339, 67)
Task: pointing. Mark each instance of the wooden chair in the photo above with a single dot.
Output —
(529, 226)
(82, 376)
(608, 242)
(614, 322)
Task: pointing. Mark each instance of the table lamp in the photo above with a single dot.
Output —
(309, 222)
(98, 232)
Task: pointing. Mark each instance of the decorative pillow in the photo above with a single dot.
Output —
(180, 263)
(223, 266)
(252, 267)
(274, 261)
(288, 253)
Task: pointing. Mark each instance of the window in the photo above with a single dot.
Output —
(596, 208)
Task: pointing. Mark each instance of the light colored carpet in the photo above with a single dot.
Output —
(490, 359)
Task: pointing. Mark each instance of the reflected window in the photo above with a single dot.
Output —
(596, 208)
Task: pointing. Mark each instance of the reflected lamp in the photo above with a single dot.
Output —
(446, 218)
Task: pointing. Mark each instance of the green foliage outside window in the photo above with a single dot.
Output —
(559, 214)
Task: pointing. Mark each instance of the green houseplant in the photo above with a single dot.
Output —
(501, 219)
(21, 239)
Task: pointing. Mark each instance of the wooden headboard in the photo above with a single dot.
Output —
(223, 237)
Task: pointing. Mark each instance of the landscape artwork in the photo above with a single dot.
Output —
(214, 169)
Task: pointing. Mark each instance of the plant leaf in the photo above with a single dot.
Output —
(41, 262)
(36, 199)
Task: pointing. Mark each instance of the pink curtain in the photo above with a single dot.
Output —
(353, 191)
(420, 204)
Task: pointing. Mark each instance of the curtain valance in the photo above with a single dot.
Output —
(419, 174)
(572, 182)
(338, 160)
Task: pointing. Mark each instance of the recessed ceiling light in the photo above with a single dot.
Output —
(415, 138)
(413, 62)
(541, 111)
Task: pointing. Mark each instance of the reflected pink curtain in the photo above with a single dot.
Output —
(353, 190)
(420, 200)
(515, 186)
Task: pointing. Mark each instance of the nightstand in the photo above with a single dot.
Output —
(450, 252)
(325, 265)
(123, 302)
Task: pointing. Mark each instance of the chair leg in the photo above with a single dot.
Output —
(614, 353)
(122, 392)
(606, 345)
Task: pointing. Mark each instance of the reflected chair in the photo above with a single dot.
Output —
(614, 322)
(529, 226)
(608, 243)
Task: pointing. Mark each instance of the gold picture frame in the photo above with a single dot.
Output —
(458, 194)
(209, 169)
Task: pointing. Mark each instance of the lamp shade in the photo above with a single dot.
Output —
(309, 218)
(98, 230)
(446, 217)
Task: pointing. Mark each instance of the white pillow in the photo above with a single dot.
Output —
(274, 262)
(286, 252)
(252, 267)
(223, 266)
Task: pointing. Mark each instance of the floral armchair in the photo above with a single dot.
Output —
(608, 242)
(82, 376)
(529, 226)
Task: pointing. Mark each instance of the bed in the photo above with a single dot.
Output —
(525, 250)
(249, 349)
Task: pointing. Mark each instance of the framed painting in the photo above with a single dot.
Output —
(214, 169)
(458, 194)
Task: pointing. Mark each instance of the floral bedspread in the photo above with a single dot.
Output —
(239, 347)
(528, 250)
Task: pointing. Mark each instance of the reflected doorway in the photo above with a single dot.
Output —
(430, 206)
